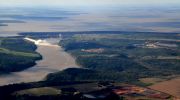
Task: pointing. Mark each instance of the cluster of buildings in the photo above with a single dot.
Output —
(152, 44)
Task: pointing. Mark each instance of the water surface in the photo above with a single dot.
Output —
(54, 59)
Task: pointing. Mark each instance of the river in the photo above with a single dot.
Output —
(54, 59)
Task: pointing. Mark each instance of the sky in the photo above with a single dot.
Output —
(85, 2)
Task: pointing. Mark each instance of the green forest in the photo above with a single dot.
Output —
(17, 54)
(122, 57)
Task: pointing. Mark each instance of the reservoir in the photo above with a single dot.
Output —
(54, 59)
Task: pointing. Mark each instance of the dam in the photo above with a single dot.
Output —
(40, 42)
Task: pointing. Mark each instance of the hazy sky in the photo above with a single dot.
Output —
(86, 2)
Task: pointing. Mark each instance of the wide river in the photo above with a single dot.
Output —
(54, 59)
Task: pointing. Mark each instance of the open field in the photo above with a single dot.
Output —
(84, 90)
(39, 91)
(16, 53)
(151, 81)
(170, 86)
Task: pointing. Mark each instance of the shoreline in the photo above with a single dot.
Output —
(54, 59)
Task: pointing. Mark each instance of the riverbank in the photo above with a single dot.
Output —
(54, 59)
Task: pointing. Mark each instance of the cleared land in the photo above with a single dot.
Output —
(151, 80)
(171, 87)
(39, 91)
(16, 53)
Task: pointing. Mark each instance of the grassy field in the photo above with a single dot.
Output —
(39, 91)
(16, 53)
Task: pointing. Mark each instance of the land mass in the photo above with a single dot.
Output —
(17, 55)
(112, 57)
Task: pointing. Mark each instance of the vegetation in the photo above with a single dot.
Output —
(125, 56)
(16, 54)
(74, 90)
(39, 91)
(108, 57)
(122, 59)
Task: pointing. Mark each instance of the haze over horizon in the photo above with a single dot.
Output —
(72, 3)
(90, 15)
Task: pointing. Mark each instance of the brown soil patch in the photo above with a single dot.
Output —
(171, 87)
